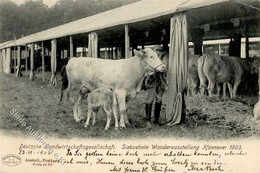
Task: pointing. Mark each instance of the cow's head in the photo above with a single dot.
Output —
(162, 54)
(151, 61)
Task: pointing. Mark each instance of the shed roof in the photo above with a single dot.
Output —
(5, 43)
(135, 12)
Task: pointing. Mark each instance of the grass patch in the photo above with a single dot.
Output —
(207, 117)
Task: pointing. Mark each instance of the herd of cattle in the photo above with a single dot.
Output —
(110, 84)
(215, 70)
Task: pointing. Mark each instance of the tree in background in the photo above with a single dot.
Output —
(33, 15)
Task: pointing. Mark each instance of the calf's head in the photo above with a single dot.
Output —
(150, 60)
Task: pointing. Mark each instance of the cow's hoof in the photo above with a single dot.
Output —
(122, 127)
(107, 128)
(116, 128)
(148, 125)
(86, 126)
(77, 120)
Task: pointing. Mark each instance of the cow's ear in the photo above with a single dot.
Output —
(138, 53)
(144, 51)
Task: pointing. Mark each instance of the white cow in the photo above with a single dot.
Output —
(124, 76)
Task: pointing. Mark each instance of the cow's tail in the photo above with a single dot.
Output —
(64, 80)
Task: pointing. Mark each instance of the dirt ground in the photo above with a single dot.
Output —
(207, 118)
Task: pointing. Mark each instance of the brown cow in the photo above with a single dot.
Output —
(217, 70)
(193, 76)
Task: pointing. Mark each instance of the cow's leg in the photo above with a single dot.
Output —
(202, 76)
(230, 89)
(224, 89)
(108, 111)
(203, 86)
(68, 91)
(89, 116)
(94, 117)
(75, 112)
(211, 87)
(121, 96)
(193, 86)
(61, 95)
(77, 109)
(218, 89)
(126, 117)
(235, 88)
(115, 111)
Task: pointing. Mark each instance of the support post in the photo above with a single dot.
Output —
(235, 46)
(83, 51)
(53, 80)
(93, 45)
(197, 39)
(114, 53)
(219, 49)
(43, 63)
(32, 63)
(8, 60)
(106, 54)
(111, 53)
(127, 42)
(26, 59)
(71, 47)
(19, 73)
(14, 58)
(247, 46)
(119, 53)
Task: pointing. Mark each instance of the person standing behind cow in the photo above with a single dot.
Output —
(156, 86)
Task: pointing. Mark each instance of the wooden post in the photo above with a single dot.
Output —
(219, 49)
(53, 80)
(71, 47)
(26, 59)
(111, 53)
(114, 53)
(235, 46)
(108, 53)
(18, 73)
(197, 39)
(43, 63)
(127, 42)
(106, 56)
(32, 63)
(14, 58)
(83, 51)
(119, 53)
(247, 46)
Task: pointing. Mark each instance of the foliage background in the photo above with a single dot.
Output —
(33, 15)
